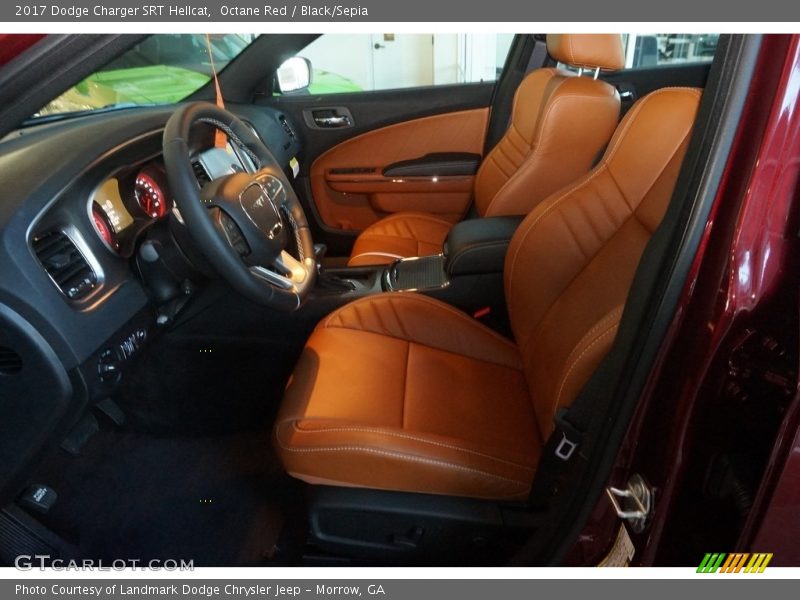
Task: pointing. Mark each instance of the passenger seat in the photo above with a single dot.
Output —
(560, 123)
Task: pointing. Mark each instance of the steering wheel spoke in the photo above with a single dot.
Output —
(230, 230)
(291, 267)
(272, 277)
(285, 272)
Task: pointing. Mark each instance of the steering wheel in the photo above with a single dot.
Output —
(250, 226)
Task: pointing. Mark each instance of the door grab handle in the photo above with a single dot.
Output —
(328, 117)
(337, 121)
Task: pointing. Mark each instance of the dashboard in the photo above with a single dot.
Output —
(81, 199)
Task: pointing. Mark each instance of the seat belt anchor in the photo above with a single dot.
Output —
(570, 436)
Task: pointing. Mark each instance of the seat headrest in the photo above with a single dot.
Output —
(587, 50)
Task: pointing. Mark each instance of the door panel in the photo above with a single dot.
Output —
(409, 124)
(351, 191)
(390, 122)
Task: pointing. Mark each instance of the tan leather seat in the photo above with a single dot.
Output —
(559, 125)
(403, 392)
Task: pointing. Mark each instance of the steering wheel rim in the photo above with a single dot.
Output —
(262, 206)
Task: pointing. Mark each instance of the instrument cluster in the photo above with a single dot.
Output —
(126, 203)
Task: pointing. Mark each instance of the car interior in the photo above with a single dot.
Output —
(268, 326)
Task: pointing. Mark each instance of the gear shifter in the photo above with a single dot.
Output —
(326, 281)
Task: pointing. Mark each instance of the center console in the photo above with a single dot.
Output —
(468, 274)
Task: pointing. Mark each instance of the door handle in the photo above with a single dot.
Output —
(334, 121)
(378, 46)
(328, 117)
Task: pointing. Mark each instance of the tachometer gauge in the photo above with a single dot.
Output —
(103, 227)
(150, 196)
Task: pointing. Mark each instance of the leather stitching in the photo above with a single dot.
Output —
(404, 217)
(411, 297)
(571, 49)
(405, 385)
(575, 363)
(363, 329)
(385, 254)
(400, 324)
(499, 148)
(534, 150)
(414, 438)
(408, 457)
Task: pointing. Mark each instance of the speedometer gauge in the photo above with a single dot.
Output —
(150, 196)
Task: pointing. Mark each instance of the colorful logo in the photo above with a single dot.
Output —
(743, 562)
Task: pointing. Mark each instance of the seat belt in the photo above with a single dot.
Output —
(573, 427)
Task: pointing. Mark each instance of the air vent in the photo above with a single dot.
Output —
(286, 127)
(65, 264)
(200, 173)
(10, 361)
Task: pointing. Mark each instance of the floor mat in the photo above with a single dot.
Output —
(219, 501)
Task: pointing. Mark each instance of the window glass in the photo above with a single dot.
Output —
(643, 50)
(656, 49)
(344, 63)
(162, 69)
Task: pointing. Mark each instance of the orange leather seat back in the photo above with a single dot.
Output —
(570, 264)
(559, 125)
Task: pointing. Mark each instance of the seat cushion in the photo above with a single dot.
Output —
(403, 392)
(399, 236)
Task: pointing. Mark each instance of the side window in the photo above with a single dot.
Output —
(644, 50)
(343, 63)
(656, 49)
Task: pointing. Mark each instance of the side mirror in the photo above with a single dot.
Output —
(294, 74)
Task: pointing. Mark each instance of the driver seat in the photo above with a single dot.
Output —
(402, 392)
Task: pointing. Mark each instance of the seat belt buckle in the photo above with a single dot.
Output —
(570, 436)
(565, 447)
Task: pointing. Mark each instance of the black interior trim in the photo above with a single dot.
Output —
(479, 245)
(444, 164)
(34, 395)
(641, 81)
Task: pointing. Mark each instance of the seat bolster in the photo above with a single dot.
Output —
(389, 458)
(400, 235)
(423, 320)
